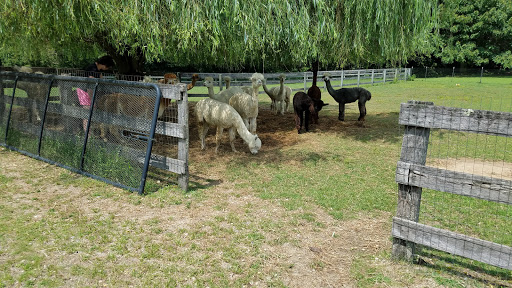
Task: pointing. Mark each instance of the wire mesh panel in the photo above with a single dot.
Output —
(104, 129)
(27, 112)
(119, 132)
(467, 179)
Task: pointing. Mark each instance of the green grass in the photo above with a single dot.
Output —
(250, 220)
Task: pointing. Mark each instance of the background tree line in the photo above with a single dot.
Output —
(255, 35)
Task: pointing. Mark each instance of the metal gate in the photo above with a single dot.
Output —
(104, 129)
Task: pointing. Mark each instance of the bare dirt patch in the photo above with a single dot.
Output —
(493, 169)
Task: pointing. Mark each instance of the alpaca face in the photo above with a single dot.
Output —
(255, 145)
(208, 82)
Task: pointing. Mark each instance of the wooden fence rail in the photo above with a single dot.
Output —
(412, 175)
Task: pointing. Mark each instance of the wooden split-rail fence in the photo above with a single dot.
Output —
(412, 175)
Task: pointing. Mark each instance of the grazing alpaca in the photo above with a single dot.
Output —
(227, 80)
(246, 104)
(211, 112)
(303, 104)
(224, 95)
(36, 91)
(279, 95)
(348, 95)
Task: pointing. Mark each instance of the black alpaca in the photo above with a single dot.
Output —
(348, 95)
(303, 104)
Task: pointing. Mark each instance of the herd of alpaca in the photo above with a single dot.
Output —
(235, 108)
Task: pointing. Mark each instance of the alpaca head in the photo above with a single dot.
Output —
(227, 79)
(282, 77)
(208, 81)
(257, 80)
(327, 76)
(317, 106)
(170, 78)
(255, 144)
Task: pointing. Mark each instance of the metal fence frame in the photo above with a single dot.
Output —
(412, 175)
(178, 130)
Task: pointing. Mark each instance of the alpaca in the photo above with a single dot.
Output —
(279, 95)
(348, 95)
(313, 91)
(171, 78)
(224, 95)
(130, 105)
(246, 104)
(211, 112)
(35, 89)
(227, 80)
(303, 104)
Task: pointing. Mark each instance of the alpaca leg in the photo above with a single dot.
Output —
(341, 115)
(246, 123)
(203, 130)
(306, 123)
(281, 107)
(362, 111)
(252, 125)
(218, 137)
(297, 122)
(273, 105)
(232, 136)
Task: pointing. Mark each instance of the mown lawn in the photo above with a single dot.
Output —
(310, 210)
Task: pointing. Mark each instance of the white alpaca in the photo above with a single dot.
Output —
(224, 95)
(227, 80)
(280, 96)
(246, 104)
(211, 112)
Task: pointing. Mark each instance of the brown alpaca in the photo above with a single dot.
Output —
(191, 85)
(303, 104)
(313, 91)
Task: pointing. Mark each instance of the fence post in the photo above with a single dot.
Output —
(373, 75)
(414, 151)
(183, 143)
(358, 77)
(2, 100)
(384, 73)
(481, 74)
(342, 77)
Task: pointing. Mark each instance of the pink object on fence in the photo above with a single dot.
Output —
(83, 97)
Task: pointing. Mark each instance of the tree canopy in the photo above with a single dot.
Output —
(221, 34)
(476, 32)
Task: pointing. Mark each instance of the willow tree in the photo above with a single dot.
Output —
(225, 34)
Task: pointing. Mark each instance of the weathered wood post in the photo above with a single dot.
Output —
(414, 151)
(384, 75)
(342, 77)
(183, 143)
(373, 75)
(358, 77)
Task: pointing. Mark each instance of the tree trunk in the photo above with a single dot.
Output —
(129, 61)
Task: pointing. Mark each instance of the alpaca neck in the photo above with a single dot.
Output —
(315, 72)
(281, 87)
(266, 90)
(329, 88)
(228, 84)
(191, 85)
(210, 92)
(243, 132)
(255, 89)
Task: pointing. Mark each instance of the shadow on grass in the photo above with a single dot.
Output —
(461, 267)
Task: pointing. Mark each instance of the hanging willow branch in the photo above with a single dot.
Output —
(227, 33)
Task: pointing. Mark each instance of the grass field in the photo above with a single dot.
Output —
(309, 210)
